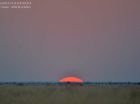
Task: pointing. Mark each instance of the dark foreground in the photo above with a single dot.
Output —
(76, 94)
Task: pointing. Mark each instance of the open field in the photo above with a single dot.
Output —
(107, 94)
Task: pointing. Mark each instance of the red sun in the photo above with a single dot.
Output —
(71, 79)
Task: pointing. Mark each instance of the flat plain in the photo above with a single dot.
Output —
(99, 94)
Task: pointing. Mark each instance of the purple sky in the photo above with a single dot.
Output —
(96, 40)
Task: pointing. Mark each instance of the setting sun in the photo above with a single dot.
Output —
(71, 79)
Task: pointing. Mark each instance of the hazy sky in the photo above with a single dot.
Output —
(96, 40)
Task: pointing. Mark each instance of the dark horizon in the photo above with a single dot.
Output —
(70, 82)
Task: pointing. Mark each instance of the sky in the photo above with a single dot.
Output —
(96, 40)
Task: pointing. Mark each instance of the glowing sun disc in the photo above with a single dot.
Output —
(71, 79)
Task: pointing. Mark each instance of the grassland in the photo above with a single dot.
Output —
(70, 94)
